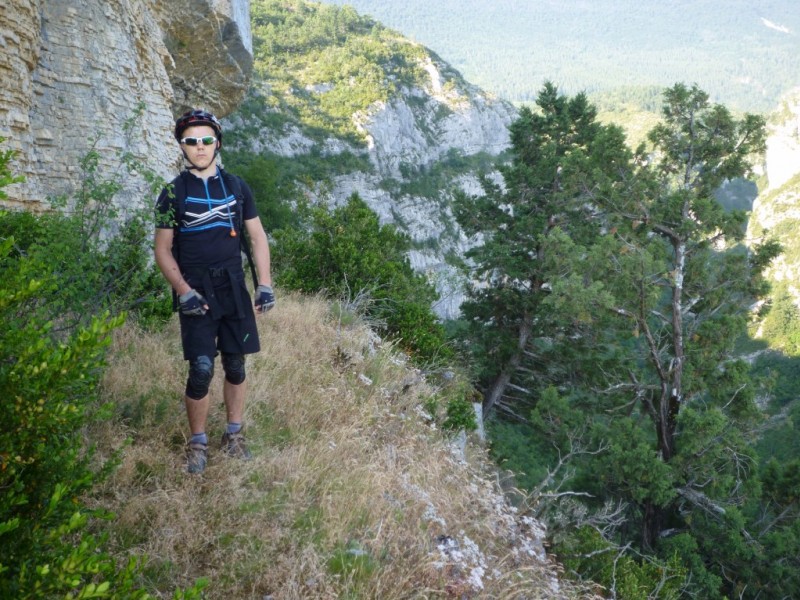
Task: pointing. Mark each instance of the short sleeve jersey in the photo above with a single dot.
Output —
(204, 232)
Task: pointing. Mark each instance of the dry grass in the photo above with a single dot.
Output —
(351, 493)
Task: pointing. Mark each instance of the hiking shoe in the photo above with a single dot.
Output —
(196, 457)
(233, 444)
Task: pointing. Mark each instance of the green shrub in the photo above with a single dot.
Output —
(51, 362)
(48, 383)
(100, 260)
(346, 252)
(587, 554)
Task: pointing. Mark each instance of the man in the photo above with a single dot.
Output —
(198, 248)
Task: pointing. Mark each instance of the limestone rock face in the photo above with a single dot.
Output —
(72, 73)
(412, 132)
(423, 124)
(416, 130)
(783, 143)
(777, 209)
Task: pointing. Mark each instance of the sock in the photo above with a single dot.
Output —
(199, 438)
(234, 427)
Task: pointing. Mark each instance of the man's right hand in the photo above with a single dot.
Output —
(193, 304)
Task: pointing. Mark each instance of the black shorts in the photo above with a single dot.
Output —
(233, 331)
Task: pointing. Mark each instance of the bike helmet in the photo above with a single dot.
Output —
(197, 117)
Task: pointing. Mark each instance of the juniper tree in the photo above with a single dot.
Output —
(533, 230)
(684, 287)
(617, 280)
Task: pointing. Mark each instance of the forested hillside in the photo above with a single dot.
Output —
(743, 53)
(341, 104)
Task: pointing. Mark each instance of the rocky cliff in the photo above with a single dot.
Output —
(422, 127)
(72, 72)
(777, 208)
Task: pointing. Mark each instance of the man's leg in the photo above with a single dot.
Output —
(233, 395)
(233, 391)
(197, 402)
(197, 411)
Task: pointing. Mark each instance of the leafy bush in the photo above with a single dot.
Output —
(48, 383)
(56, 282)
(100, 260)
(627, 577)
(274, 179)
(346, 251)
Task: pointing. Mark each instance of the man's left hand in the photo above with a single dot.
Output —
(265, 298)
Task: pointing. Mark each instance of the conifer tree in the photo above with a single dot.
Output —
(534, 231)
(684, 287)
(610, 291)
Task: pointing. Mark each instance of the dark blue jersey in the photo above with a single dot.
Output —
(204, 222)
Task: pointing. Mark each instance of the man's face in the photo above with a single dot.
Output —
(199, 154)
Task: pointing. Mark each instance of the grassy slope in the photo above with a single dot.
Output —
(349, 491)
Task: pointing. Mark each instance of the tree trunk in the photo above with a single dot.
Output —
(498, 387)
(671, 404)
(651, 521)
(671, 393)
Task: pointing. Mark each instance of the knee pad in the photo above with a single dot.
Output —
(201, 371)
(233, 365)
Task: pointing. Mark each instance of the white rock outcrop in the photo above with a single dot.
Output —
(783, 142)
(406, 136)
(777, 209)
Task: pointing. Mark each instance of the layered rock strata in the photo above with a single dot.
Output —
(110, 76)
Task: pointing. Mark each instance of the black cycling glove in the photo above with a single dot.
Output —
(265, 298)
(193, 304)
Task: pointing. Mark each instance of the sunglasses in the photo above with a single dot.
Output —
(195, 141)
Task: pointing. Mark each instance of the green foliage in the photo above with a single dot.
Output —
(274, 179)
(611, 289)
(322, 63)
(625, 576)
(780, 438)
(132, 281)
(353, 561)
(6, 176)
(515, 447)
(781, 325)
(53, 345)
(346, 252)
(630, 468)
(684, 548)
(272, 189)
(535, 232)
(93, 274)
(49, 385)
(460, 416)
(452, 407)
(428, 181)
(100, 258)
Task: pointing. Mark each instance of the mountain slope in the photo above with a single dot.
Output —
(352, 492)
(376, 114)
(742, 53)
(777, 209)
